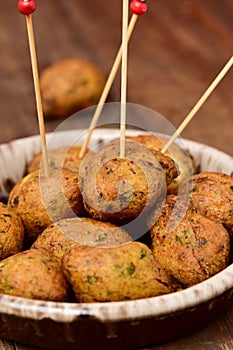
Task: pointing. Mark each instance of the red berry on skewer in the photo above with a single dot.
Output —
(26, 7)
(138, 7)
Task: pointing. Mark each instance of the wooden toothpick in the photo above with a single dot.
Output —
(37, 94)
(27, 7)
(137, 10)
(124, 68)
(199, 104)
(107, 88)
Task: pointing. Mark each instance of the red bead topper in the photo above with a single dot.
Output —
(139, 7)
(26, 7)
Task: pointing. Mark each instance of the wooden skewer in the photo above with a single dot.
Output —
(124, 76)
(199, 104)
(106, 89)
(37, 92)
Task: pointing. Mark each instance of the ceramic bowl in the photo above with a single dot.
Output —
(112, 325)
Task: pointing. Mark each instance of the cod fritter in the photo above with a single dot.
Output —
(41, 200)
(125, 272)
(70, 85)
(33, 274)
(190, 248)
(11, 232)
(212, 195)
(182, 157)
(119, 189)
(62, 157)
(66, 234)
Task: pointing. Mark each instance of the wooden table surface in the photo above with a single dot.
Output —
(176, 50)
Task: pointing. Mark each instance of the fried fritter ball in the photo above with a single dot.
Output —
(181, 156)
(65, 234)
(33, 274)
(70, 85)
(118, 189)
(192, 248)
(40, 200)
(125, 272)
(65, 157)
(212, 195)
(11, 232)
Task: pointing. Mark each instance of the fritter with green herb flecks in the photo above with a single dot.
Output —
(212, 195)
(62, 157)
(118, 189)
(33, 274)
(65, 234)
(40, 200)
(11, 232)
(192, 248)
(181, 156)
(125, 272)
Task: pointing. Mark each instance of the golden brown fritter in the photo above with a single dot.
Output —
(41, 200)
(212, 195)
(54, 241)
(33, 274)
(65, 234)
(11, 232)
(169, 167)
(181, 156)
(118, 189)
(192, 248)
(70, 85)
(124, 272)
(62, 157)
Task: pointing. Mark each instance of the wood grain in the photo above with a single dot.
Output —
(176, 50)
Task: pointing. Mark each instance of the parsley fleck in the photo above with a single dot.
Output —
(89, 279)
(177, 238)
(203, 241)
(143, 254)
(16, 201)
(131, 269)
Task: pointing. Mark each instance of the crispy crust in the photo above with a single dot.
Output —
(33, 274)
(119, 189)
(192, 248)
(212, 195)
(181, 156)
(65, 157)
(41, 200)
(11, 232)
(62, 236)
(70, 85)
(125, 272)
